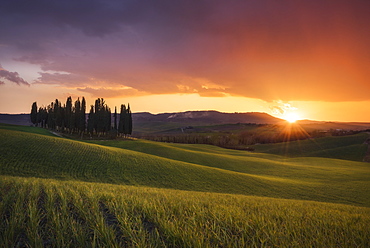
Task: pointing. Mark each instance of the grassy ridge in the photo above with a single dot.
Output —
(349, 147)
(308, 177)
(197, 167)
(76, 214)
(35, 155)
(26, 129)
(153, 212)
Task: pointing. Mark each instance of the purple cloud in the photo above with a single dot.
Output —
(313, 50)
(12, 77)
(66, 79)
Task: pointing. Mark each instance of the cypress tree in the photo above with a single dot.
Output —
(82, 125)
(115, 118)
(68, 114)
(97, 116)
(121, 125)
(76, 114)
(129, 120)
(41, 116)
(63, 123)
(51, 118)
(103, 117)
(34, 113)
(44, 117)
(90, 121)
(108, 118)
(58, 114)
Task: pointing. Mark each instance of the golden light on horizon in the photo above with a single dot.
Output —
(292, 117)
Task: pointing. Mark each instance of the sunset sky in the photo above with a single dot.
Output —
(310, 58)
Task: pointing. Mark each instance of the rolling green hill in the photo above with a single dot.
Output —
(54, 213)
(349, 147)
(185, 167)
(57, 192)
(26, 129)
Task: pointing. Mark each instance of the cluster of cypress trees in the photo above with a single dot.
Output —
(125, 120)
(71, 117)
(68, 117)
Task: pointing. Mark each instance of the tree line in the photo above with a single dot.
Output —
(71, 118)
(238, 140)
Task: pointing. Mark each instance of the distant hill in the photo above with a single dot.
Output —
(16, 119)
(147, 122)
(327, 125)
(199, 117)
(210, 117)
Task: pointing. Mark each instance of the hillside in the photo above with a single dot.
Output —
(16, 119)
(52, 213)
(208, 117)
(187, 167)
(165, 121)
(349, 147)
(57, 192)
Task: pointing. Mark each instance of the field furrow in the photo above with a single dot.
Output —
(48, 213)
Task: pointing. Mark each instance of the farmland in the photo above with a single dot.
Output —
(135, 193)
(70, 214)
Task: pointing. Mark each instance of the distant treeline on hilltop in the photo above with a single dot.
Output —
(71, 118)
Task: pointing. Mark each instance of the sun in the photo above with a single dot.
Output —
(291, 117)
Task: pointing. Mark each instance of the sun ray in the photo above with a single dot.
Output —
(292, 131)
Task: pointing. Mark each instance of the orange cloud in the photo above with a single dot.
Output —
(291, 50)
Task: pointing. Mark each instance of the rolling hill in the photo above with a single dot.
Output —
(134, 193)
(210, 117)
(350, 147)
(186, 167)
(53, 213)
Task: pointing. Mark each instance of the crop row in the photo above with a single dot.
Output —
(50, 213)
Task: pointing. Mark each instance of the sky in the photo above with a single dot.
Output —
(309, 59)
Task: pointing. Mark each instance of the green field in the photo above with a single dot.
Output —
(136, 193)
(349, 147)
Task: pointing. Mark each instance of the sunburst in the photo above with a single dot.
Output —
(291, 117)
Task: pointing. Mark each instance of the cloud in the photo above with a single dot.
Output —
(313, 50)
(65, 79)
(81, 14)
(110, 92)
(12, 77)
(280, 108)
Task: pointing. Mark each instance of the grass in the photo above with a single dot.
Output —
(65, 193)
(178, 167)
(70, 214)
(349, 147)
(26, 129)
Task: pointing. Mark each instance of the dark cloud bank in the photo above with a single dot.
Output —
(289, 50)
